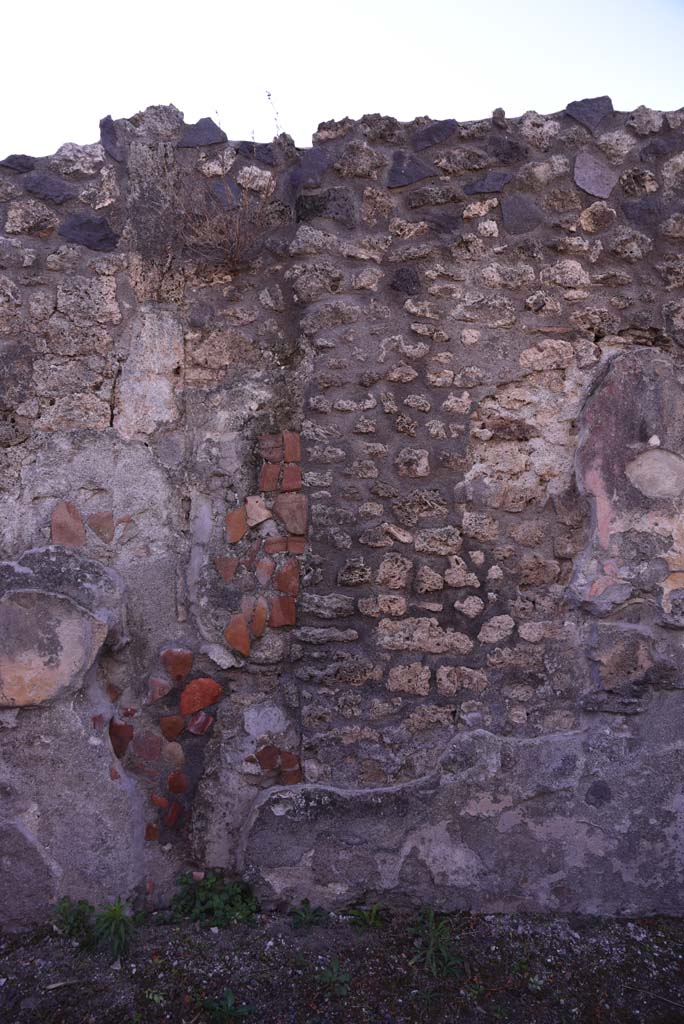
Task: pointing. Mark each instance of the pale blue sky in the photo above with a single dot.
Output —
(67, 64)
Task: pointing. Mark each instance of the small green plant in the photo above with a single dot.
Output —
(368, 917)
(213, 901)
(74, 918)
(158, 998)
(225, 1009)
(304, 916)
(335, 980)
(114, 928)
(434, 944)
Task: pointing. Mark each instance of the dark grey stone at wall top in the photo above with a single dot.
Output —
(109, 139)
(18, 162)
(204, 133)
(590, 112)
(407, 169)
(433, 134)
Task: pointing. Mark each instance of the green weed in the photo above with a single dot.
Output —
(114, 928)
(213, 901)
(304, 916)
(226, 1009)
(335, 980)
(434, 943)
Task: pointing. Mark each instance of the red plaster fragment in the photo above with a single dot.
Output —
(151, 833)
(199, 694)
(292, 510)
(178, 782)
(287, 580)
(292, 449)
(236, 525)
(268, 477)
(291, 778)
(120, 735)
(177, 661)
(114, 774)
(171, 726)
(102, 523)
(237, 635)
(268, 758)
(66, 526)
(283, 612)
(226, 567)
(292, 478)
(274, 545)
(288, 760)
(159, 801)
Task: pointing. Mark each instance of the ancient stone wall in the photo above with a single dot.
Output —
(342, 517)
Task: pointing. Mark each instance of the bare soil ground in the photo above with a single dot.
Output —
(517, 969)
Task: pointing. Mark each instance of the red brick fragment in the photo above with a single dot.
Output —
(120, 735)
(291, 778)
(236, 525)
(292, 449)
(114, 774)
(268, 758)
(98, 722)
(292, 478)
(159, 801)
(178, 782)
(177, 661)
(102, 524)
(113, 692)
(226, 567)
(237, 635)
(292, 510)
(199, 694)
(173, 814)
(200, 723)
(283, 612)
(171, 726)
(156, 689)
(66, 526)
(264, 570)
(268, 477)
(260, 617)
(271, 447)
(287, 580)
(274, 545)
(296, 545)
(151, 833)
(247, 606)
(288, 760)
(147, 745)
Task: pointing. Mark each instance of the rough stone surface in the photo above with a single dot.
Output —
(344, 550)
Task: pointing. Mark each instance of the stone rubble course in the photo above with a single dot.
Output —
(341, 528)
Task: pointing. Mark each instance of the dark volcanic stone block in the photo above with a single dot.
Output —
(661, 147)
(492, 181)
(433, 134)
(93, 232)
(520, 213)
(49, 186)
(204, 133)
(590, 112)
(594, 176)
(647, 212)
(406, 280)
(507, 150)
(335, 203)
(264, 152)
(108, 138)
(18, 162)
(406, 169)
